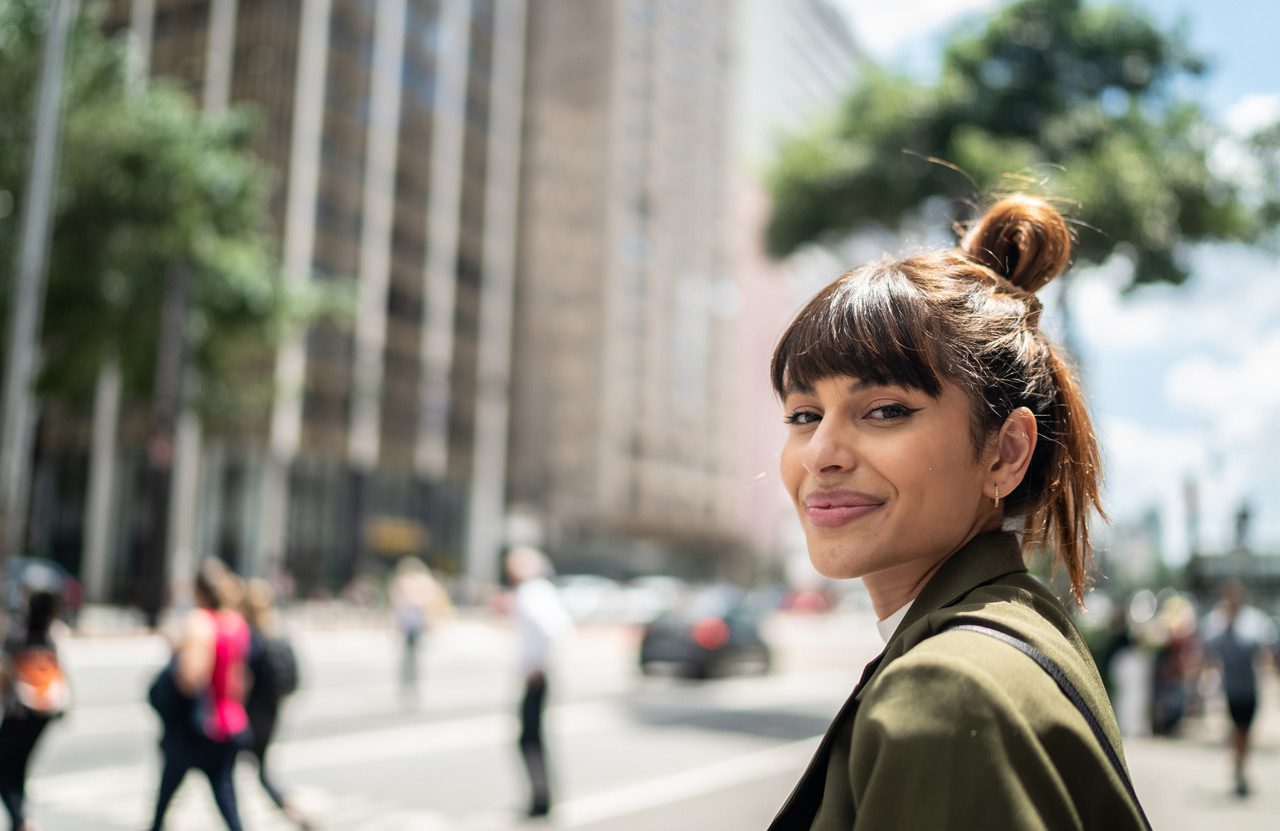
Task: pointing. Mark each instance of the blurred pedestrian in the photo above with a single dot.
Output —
(1126, 666)
(417, 600)
(1237, 638)
(927, 414)
(1175, 666)
(541, 621)
(33, 685)
(273, 676)
(201, 694)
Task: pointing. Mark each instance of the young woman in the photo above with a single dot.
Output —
(209, 672)
(935, 436)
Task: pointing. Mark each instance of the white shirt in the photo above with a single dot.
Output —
(541, 620)
(889, 625)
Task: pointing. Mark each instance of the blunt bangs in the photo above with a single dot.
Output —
(872, 324)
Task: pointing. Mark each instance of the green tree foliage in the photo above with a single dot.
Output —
(145, 181)
(1078, 101)
(1264, 148)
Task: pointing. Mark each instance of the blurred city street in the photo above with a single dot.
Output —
(630, 752)
(1185, 782)
(355, 298)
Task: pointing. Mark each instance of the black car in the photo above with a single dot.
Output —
(716, 630)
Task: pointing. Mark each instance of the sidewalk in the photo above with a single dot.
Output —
(1185, 783)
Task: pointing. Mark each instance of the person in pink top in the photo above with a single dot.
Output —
(208, 669)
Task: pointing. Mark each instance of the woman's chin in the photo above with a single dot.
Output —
(834, 567)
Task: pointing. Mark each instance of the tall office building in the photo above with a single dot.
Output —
(393, 126)
(630, 377)
(621, 377)
(633, 132)
(798, 61)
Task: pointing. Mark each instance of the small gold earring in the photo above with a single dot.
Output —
(995, 503)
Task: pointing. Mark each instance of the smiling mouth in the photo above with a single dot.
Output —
(833, 516)
(833, 508)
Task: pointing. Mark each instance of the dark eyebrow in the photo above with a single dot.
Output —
(862, 384)
(794, 388)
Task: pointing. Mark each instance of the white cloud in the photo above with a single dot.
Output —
(1230, 305)
(1231, 157)
(1184, 384)
(1148, 469)
(1143, 466)
(1238, 397)
(1253, 112)
(1105, 319)
(884, 28)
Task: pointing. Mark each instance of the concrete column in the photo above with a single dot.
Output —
(443, 205)
(375, 234)
(613, 466)
(17, 436)
(142, 23)
(219, 56)
(184, 491)
(486, 518)
(299, 245)
(96, 543)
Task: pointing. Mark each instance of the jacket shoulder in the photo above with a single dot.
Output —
(984, 728)
(956, 679)
(950, 719)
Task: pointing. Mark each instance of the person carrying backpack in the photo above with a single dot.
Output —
(206, 724)
(273, 670)
(33, 686)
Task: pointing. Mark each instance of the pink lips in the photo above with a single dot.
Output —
(831, 509)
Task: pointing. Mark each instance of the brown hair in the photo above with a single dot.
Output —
(969, 315)
(216, 586)
(258, 604)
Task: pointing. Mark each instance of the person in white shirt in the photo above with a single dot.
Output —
(541, 620)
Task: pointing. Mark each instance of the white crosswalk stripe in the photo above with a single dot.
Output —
(122, 799)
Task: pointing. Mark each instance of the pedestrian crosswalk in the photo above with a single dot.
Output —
(121, 799)
(357, 757)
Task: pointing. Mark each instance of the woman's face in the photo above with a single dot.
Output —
(885, 479)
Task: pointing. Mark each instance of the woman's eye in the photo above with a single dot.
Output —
(892, 412)
(802, 417)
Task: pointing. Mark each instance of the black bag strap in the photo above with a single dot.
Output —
(1073, 695)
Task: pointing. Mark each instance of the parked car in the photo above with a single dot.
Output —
(715, 631)
(648, 596)
(591, 598)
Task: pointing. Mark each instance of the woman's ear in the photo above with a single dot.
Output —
(1013, 449)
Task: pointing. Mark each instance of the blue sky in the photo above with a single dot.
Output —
(1184, 382)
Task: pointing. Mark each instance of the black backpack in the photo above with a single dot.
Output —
(281, 665)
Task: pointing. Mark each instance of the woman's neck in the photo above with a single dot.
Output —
(895, 587)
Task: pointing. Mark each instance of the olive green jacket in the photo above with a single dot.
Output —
(962, 731)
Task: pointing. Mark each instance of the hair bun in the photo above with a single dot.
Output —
(1023, 239)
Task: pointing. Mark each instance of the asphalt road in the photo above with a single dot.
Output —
(628, 753)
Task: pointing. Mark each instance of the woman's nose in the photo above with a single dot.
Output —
(829, 449)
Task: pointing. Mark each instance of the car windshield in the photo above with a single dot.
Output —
(714, 601)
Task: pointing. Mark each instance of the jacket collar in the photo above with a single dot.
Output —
(985, 558)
